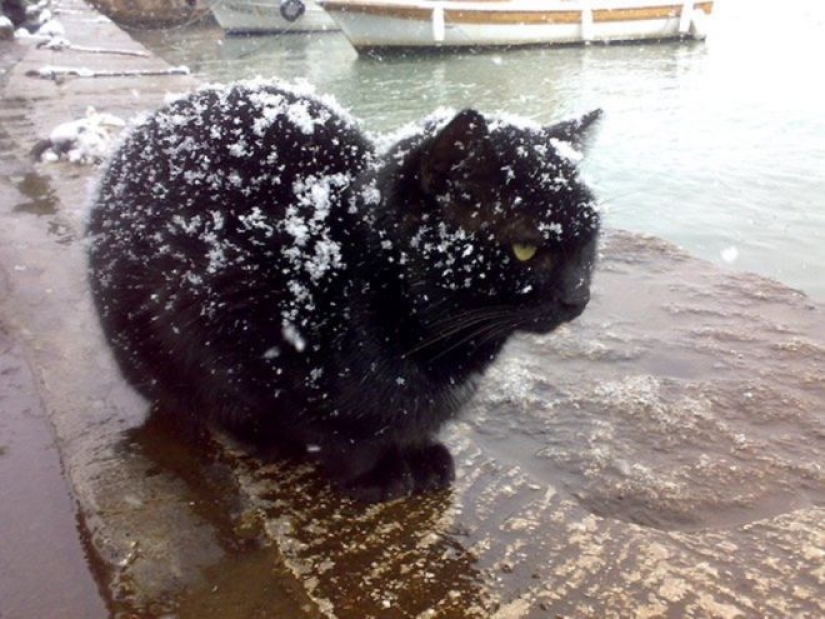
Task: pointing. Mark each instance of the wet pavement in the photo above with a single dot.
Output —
(40, 541)
(659, 458)
(151, 537)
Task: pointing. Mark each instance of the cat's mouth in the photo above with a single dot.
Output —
(549, 319)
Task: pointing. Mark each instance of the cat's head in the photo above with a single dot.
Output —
(496, 216)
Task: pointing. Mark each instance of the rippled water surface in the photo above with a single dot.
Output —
(718, 146)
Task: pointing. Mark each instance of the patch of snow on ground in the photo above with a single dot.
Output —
(85, 141)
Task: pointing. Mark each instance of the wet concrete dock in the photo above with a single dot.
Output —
(662, 457)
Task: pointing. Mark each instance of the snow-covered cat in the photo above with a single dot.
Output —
(259, 264)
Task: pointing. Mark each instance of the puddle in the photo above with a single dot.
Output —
(248, 580)
(43, 199)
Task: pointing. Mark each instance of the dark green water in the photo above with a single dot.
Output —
(717, 146)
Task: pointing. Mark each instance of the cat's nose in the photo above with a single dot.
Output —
(573, 303)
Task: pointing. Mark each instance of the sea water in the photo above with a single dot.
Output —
(718, 146)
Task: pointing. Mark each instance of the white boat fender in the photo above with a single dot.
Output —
(685, 17)
(587, 23)
(292, 10)
(699, 24)
(438, 24)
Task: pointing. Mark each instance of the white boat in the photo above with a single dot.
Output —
(431, 24)
(271, 16)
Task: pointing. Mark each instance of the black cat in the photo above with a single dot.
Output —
(257, 263)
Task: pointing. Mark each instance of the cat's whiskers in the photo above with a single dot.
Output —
(452, 325)
(447, 320)
(491, 325)
(457, 323)
(469, 339)
(513, 323)
(504, 329)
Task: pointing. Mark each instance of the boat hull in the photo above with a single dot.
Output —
(378, 24)
(262, 17)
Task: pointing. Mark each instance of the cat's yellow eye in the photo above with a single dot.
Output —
(524, 252)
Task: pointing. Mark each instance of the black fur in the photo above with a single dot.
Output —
(258, 264)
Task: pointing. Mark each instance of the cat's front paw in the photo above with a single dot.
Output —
(391, 478)
(432, 467)
(402, 472)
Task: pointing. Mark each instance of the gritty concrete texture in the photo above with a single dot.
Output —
(659, 458)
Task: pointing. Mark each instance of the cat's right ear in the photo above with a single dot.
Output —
(574, 132)
(461, 138)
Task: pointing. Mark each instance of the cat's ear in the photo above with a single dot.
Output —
(461, 138)
(574, 132)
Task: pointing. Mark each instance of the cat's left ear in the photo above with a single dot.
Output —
(459, 140)
(574, 132)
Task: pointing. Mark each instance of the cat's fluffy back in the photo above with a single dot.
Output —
(206, 135)
(215, 218)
